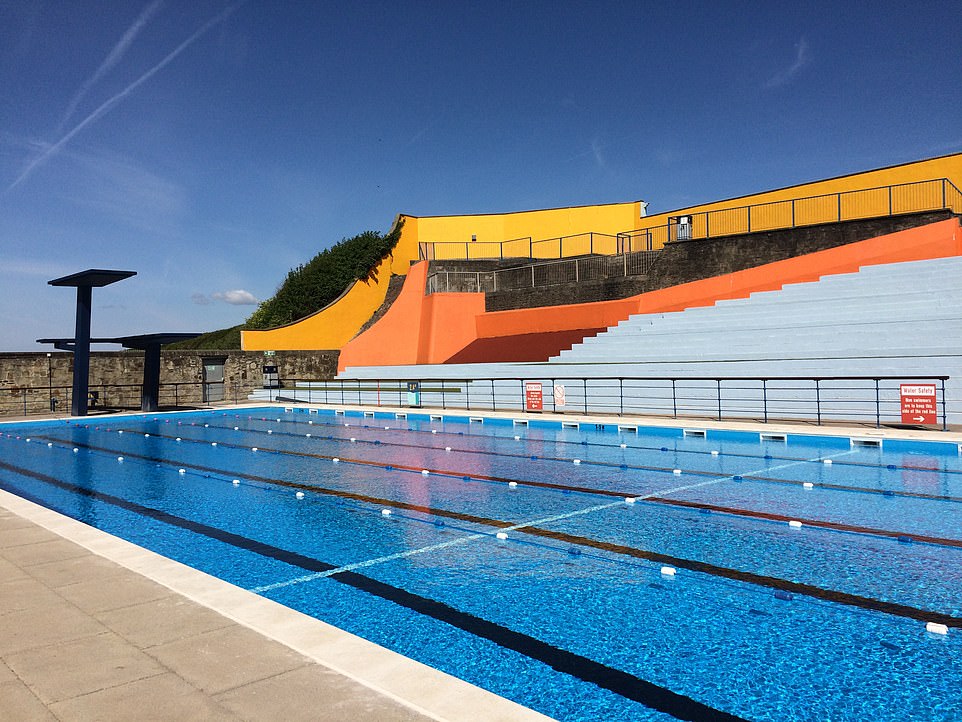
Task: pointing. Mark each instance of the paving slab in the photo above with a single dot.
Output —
(62, 572)
(312, 694)
(220, 660)
(17, 702)
(54, 674)
(101, 595)
(162, 621)
(156, 699)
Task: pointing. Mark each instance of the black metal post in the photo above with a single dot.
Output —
(584, 386)
(49, 383)
(492, 395)
(150, 392)
(878, 407)
(718, 393)
(765, 399)
(818, 403)
(81, 353)
(945, 426)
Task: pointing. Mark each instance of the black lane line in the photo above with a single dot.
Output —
(735, 454)
(761, 580)
(634, 467)
(653, 498)
(834, 525)
(562, 660)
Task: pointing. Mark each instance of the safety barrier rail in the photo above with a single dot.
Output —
(36, 400)
(579, 244)
(859, 399)
(546, 273)
(880, 202)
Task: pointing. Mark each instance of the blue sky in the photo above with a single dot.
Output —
(211, 146)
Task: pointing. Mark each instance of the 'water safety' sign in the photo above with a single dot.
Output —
(918, 403)
(559, 395)
(533, 398)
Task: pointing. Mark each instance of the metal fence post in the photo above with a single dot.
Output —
(945, 426)
(621, 397)
(718, 393)
(674, 401)
(765, 400)
(584, 387)
(493, 403)
(878, 409)
(818, 403)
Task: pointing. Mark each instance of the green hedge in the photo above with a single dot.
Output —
(309, 287)
(313, 285)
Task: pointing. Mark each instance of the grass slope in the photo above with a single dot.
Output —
(307, 288)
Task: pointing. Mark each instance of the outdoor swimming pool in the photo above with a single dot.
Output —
(642, 575)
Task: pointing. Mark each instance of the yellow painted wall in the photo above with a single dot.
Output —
(452, 234)
(862, 204)
(339, 322)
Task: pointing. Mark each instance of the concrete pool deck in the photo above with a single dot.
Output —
(95, 628)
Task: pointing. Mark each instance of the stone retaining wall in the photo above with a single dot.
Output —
(35, 382)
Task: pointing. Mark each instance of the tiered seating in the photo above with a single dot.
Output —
(904, 310)
(902, 319)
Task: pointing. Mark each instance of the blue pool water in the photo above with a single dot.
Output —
(571, 613)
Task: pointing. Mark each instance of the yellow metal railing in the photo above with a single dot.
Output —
(884, 201)
(881, 202)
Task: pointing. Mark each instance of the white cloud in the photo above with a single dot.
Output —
(238, 297)
(802, 58)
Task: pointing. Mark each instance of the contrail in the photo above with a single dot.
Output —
(111, 60)
(110, 103)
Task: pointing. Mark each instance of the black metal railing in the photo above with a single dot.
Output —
(37, 400)
(859, 399)
(545, 273)
(880, 202)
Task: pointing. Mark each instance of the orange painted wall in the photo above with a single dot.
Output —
(446, 324)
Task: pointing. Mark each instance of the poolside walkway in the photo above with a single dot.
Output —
(83, 638)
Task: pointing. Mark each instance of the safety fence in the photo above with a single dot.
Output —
(36, 400)
(546, 273)
(855, 399)
(880, 202)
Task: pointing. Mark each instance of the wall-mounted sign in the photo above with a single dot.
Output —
(918, 404)
(533, 399)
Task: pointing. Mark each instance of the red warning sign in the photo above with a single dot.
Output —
(918, 404)
(533, 399)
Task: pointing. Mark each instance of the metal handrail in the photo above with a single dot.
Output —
(886, 201)
(810, 398)
(541, 274)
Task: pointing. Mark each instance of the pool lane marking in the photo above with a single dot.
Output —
(635, 467)
(589, 444)
(586, 669)
(521, 526)
(759, 580)
(653, 497)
